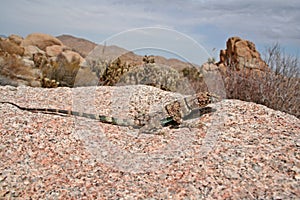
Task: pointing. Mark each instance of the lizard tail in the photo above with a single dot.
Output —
(101, 118)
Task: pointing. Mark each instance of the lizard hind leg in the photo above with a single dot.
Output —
(152, 127)
(152, 124)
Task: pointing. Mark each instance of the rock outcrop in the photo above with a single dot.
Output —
(16, 39)
(71, 56)
(241, 54)
(30, 51)
(38, 60)
(240, 60)
(54, 50)
(40, 40)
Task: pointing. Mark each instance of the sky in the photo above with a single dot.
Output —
(189, 29)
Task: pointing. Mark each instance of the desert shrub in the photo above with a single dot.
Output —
(211, 60)
(115, 69)
(148, 59)
(156, 75)
(195, 77)
(98, 66)
(59, 72)
(13, 71)
(108, 72)
(280, 62)
(47, 83)
(113, 72)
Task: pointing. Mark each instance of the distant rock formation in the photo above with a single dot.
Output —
(38, 60)
(240, 63)
(241, 54)
(40, 40)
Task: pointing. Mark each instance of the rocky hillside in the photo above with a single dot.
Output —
(80, 45)
(84, 47)
(43, 60)
(121, 61)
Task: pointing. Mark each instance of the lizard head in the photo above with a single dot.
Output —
(207, 98)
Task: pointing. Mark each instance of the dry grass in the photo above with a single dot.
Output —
(60, 70)
(13, 71)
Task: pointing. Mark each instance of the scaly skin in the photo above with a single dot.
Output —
(174, 112)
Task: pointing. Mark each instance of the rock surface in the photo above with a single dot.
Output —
(16, 39)
(240, 151)
(72, 56)
(54, 50)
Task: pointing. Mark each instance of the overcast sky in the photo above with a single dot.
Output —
(208, 23)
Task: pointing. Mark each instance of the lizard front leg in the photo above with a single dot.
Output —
(170, 115)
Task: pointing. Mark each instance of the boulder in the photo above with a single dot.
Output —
(31, 50)
(16, 39)
(27, 62)
(246, 76)
(54, 50)
(72, 56)
(10, 47)
(40, 40)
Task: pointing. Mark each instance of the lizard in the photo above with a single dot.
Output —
(172, 114)
(175, 112)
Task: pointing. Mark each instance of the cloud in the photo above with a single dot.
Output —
(208, 21)
(265, 20)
